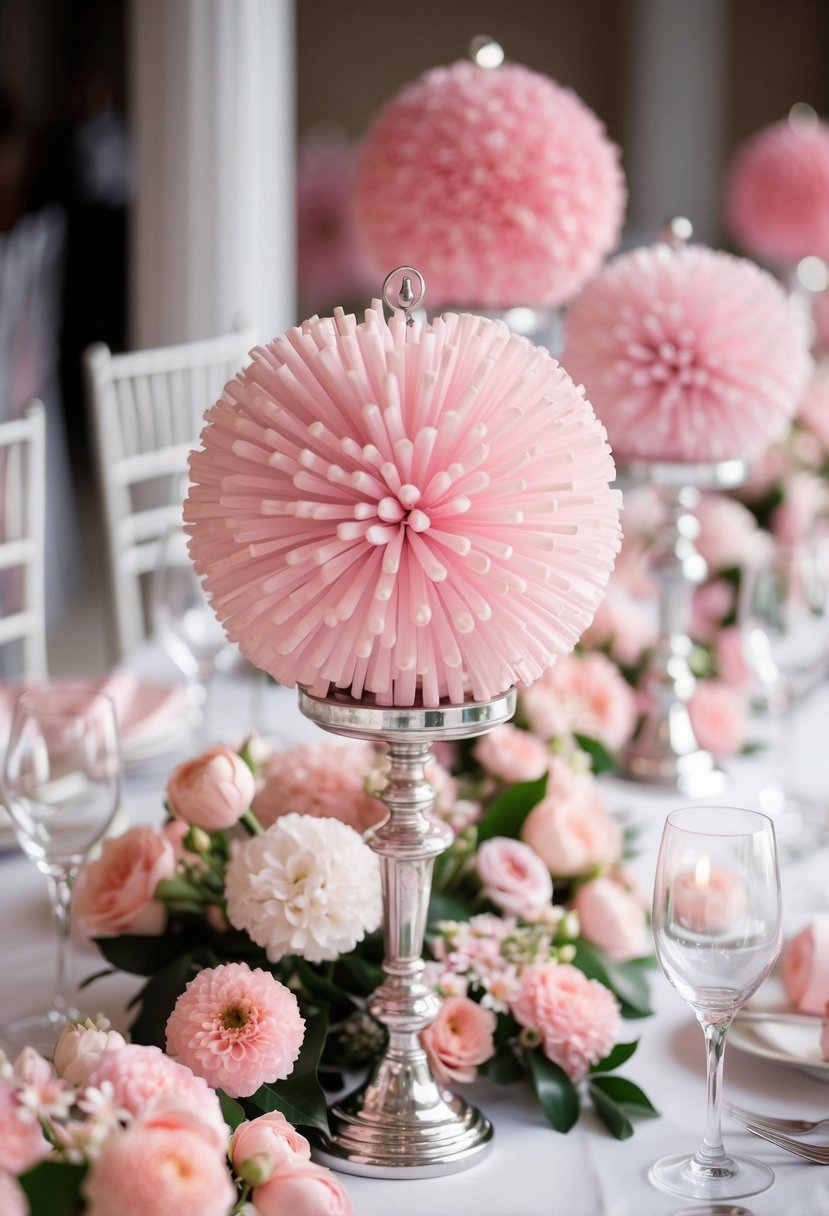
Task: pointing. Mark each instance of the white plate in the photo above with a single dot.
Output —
(784, 1042)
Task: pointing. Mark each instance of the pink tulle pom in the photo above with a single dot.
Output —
(403, 509)
(777, 191)
(500, 185)
(687, 354)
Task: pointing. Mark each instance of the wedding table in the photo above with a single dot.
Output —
(531, 1170)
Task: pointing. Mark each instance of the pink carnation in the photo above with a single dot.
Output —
(513, 876)
(578, 1018)
(22, 1142)
(139, 1074)
(777, 191)
(237, 1028)
(583, 694)
(512, 754)
(570, 829)
(459, 1039)
(326, 780)
(687, 354)
(114, 893)
(500, 186)
(303, 1189)
(12, 1200)
(719, 717)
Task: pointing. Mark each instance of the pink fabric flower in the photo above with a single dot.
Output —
(459, 1039)
(804, 968)
(80, 1049)
(519, 197)
(513, 876)
(384, 547)
(22, 1142)
(719, 717)
(12, 1200)
(114, 893)
(512, 754)
(582, 694)
(578, 1018)
(777, 191)
(613, 919)
(140, 1074)
(326, 780)
(687, 354)
(267, 1142)
(304, 1189)
(148, 1170)
(211, 791)
(237, 1028)
(570, 829)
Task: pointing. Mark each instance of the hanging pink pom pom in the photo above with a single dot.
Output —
(499, 184)
(687, 354)
(777, 191)
(407, 510)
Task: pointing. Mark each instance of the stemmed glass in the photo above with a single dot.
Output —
(716, 925)
(784, 624)
(61, 781)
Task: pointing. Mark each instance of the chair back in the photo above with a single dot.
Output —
(147, 413)
(22, 537)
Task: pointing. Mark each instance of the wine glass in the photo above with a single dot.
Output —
(61, 781)
(185, 622)
(784, 623)
(716, 926)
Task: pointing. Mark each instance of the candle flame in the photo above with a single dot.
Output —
(702, 872)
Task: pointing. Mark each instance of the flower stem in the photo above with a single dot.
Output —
(252, 823)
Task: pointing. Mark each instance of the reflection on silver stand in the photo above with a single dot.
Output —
(665, 751)
(401, 1123)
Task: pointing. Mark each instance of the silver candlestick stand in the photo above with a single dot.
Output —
(665, 752)
(401, 1123)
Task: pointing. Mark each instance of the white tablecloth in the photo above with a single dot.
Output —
(531, 1170)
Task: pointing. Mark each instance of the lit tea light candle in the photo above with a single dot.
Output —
(708, 899)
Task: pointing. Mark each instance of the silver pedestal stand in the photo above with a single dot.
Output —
(401, 1123)
(666, 752)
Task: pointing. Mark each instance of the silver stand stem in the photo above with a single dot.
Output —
(401, 1123)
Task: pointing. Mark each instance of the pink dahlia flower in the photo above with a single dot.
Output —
(459, 1039)
(403, 510)
(236, 1027)
(581, 694)
(326, 780)
(578, 1018)
(687, 354)
(139, 1074)
(777, 192)
(500, 186)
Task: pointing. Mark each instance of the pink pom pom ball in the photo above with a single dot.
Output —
(687, 354)
(499, 184)
(410, 511)
(777, 191)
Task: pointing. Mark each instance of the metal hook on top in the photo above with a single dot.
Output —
(406, 298)
(486, 52)
(677, 232)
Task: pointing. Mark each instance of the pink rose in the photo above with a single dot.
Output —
(578, 1018)
(114, 893)
(710, 605)
(581, 694)
(512, 754)
(728, 532)
(459, 1039)
(571, 831)
(22, 1142)
(612, 919)
(304, 1189)
(623, 625)
(805, 967)
(79, 1051)
(266, 1143)
(213, 790)
(719, 717)
(514, 877)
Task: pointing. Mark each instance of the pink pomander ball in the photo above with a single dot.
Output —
(500, 185)
(687, 354)
(405, 510)
(777, 192)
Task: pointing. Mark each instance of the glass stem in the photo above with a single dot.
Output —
(60, 893)
(711, 1155)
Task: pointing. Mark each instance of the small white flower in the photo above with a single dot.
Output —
(99, 1103)
(307, 886)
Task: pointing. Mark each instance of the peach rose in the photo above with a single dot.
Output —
(514, 877)
(79, 1050)
(303, 1190)
(512, 754)
(613, 919)
(572, 832)
(719, 717)
(805, 967)
(213, 790)
(581, 694)
(578, 1018)
(262, 1146)
(459, 1039)
(114, 893)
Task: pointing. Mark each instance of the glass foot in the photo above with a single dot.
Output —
(680, 1175)
(39, 1030)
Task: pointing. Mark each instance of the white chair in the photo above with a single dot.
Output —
(22, 537)
(147, 412)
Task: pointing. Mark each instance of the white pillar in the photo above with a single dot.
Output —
(675, 148)
(212, 114)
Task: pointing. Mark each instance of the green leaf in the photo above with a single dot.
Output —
(601, 759)
(504, 1067)
(232, 1112)
(161, 992)
(616, 1057)
(556, 1093)
(300, 1097)
(610, 1113)
(506, 813)
(445, 906)
(53, 1188)
(626, 980)
(626, 1094)
(322, 990)
(357, 975)
(145, 955)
